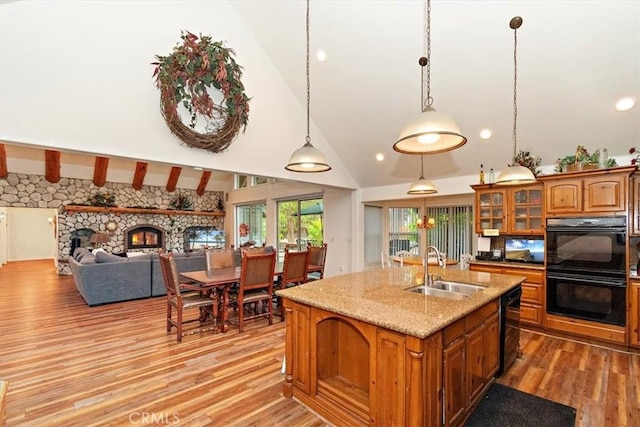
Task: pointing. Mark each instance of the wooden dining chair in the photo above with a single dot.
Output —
(192, 299)
(389, 260)
(219, 258)
(294, 272)
(256, 287)
(317, 257)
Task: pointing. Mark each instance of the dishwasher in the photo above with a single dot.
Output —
(509, 328)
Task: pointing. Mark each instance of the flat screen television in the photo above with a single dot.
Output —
(524, 250)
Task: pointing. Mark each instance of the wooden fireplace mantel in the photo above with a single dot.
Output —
(117, 211)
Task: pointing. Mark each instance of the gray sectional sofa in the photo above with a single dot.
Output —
(103, 278)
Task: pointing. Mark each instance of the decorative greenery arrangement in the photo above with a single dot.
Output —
(634, 161)
(181, 203)
(581, 158)
(106, 200)
(528, 160)
(184, 77)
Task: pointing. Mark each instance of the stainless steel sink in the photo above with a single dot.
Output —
(445, 289)
(425, 290)
(462, 288)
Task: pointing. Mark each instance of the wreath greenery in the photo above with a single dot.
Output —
(184, 77)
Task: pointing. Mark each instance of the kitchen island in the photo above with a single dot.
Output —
(361, 349)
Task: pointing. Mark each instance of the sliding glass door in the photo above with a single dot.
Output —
(299, 223)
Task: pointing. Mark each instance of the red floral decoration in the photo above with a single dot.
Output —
(633, 150)
(244, 230)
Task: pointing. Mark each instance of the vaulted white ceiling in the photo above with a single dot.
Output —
(575, 59)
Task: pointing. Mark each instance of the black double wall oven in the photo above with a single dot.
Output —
(586, 268)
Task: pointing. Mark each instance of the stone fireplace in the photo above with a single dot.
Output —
(144, 236)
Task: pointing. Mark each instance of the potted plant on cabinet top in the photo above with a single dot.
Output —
(582, 160)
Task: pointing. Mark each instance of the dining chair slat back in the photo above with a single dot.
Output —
(256, 286)
(294, 272)
(317, 256)
(176, 299)
(219, 258)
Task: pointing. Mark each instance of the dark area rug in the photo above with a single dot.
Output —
(504, 406)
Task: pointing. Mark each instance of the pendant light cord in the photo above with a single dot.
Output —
(424, 103)
(308, 138)
(421, 166)
(515, 96)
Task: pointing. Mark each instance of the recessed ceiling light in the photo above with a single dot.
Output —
(625, 104)
(321, 55)
(379, 157)
(485, 133)
(197, 168)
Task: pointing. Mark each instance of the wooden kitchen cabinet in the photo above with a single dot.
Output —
(532, 301)
(491, 208)
(634, 313)
(356, 373)
(587, 192)
(526, 210)
(635, 205)
(511, 210)
(470, 360)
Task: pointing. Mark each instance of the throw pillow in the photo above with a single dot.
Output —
(103, 257)
(135, 254)
(88, 259)
(95, 251)
(78, 252)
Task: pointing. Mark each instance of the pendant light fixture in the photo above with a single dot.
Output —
(308, 158)
(422, 186)
(515, 173)
(431, 132)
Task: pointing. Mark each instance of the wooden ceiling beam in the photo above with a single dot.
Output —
(173, 178)
(3, 162)
(138, 177)
(100, 171)
(52, 165)
(204, 180)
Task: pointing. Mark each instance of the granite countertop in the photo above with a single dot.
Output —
(380, 297)
(509, 264)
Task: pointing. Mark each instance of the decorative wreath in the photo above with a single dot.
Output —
(243, 230)
(184, 77)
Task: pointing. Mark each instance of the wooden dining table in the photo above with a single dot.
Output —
(218, 281)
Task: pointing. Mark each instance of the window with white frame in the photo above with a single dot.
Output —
(259, 180)
(251, 223)
(404, 235)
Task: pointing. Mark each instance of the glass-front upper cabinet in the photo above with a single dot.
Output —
(527, 211)
(490, 209)
(510, 210)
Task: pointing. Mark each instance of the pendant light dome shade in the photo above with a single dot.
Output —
(428, 133)
(422, 186)
(307, 159)
(516, 175)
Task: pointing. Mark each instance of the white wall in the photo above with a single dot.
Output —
(88, 67)
(30, 234)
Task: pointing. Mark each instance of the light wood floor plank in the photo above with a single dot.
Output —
(68, 364)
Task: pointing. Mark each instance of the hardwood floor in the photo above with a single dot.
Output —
(68, 365)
